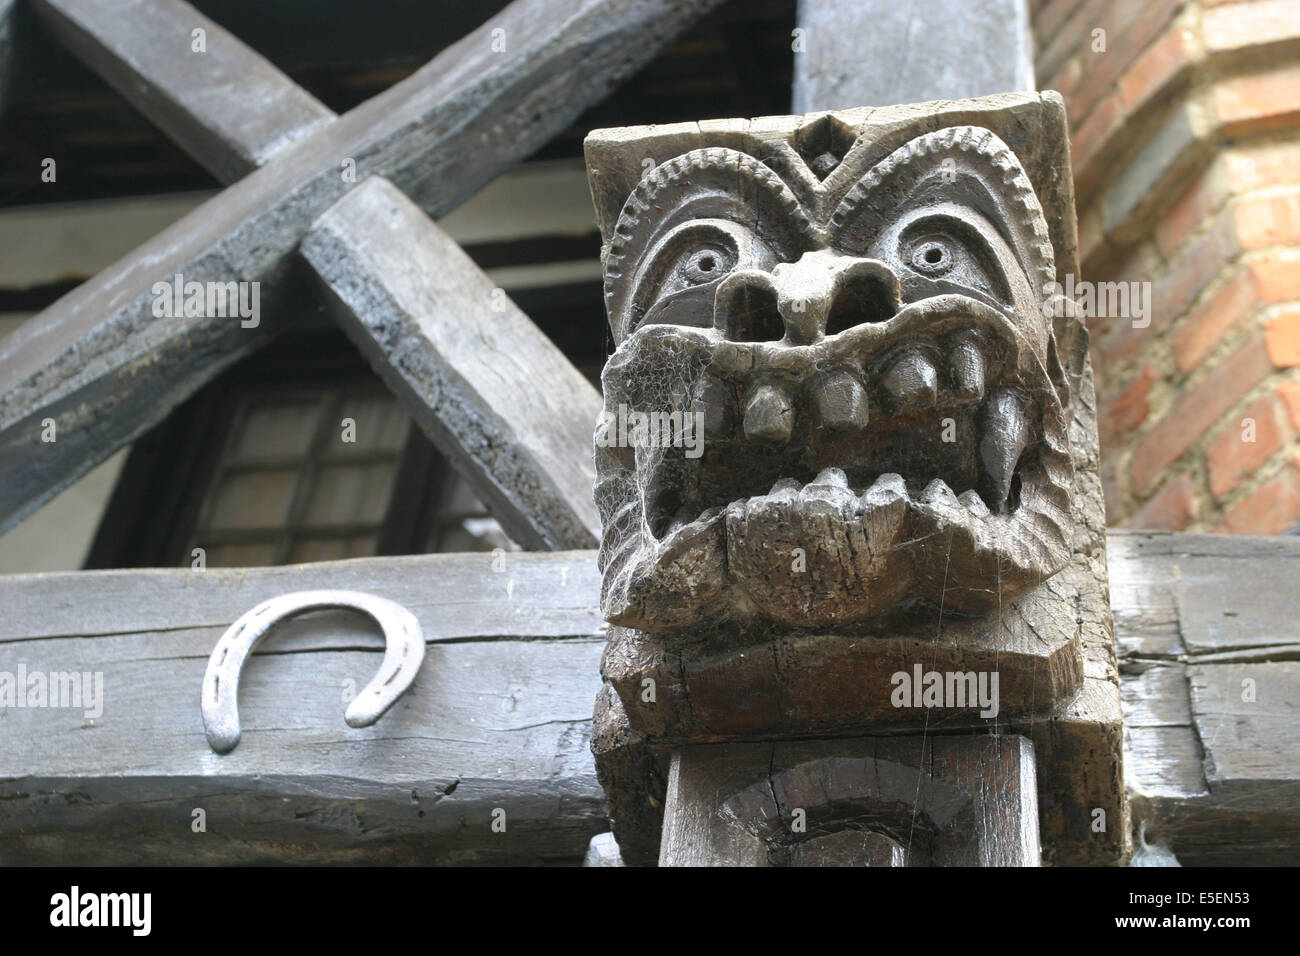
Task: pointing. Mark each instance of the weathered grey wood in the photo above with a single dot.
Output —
(227, 106)
(1212, 773)
(529, 637)
(738, 642)
(1246, 716)
(466, 596)
(909, 51)
(946, 801)
(105, 368)
(491, 390)
(1220, 789)
(493, 721)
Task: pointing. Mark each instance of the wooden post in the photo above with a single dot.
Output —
(893, 516)
(752, 680)
(849, 53)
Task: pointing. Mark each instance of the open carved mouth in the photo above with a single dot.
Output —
(885, 401)
(918, 459)
(922, 454)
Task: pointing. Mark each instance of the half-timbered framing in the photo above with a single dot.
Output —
(340, 210)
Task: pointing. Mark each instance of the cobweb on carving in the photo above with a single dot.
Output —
(668, 378)
(644, 480)
(664, 384)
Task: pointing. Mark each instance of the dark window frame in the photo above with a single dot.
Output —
(154, 509)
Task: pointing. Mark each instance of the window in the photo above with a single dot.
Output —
(304, 477)
(299, 454)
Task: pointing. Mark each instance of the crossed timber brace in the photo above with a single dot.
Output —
(105, 369)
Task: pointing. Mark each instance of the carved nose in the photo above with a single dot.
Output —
(746, 309)
(821, 294)
(865, 291)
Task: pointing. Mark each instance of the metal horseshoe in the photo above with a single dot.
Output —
(402, 658)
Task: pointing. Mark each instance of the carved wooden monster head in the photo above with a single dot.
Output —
(861, 320)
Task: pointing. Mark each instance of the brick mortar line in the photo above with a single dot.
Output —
(1165, 393)
(1193, 463)
(1114, 380)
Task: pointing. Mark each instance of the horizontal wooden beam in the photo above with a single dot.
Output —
(1210, 671)
(503, 703)
(105, 368)
(220, 101)
(483, 382)
(495, 729)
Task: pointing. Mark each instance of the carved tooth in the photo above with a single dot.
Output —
(829, 493)
(974, 503)
(937, 492)
(966, 366)
(769, 416)
(884, 507)
(912, 380)
(1005, 435)
(784, 485)
(840, 403)
(886, 488)
(715, 400)
(887, 494)
(831, 476)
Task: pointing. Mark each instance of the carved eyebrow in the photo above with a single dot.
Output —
(711, 174)
(974, 232)
(976, 153)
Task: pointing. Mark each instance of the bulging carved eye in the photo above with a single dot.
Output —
(932, 256)
(676, 281)
(707, 264)
(946, 248)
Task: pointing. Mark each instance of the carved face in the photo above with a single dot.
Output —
(884, 410)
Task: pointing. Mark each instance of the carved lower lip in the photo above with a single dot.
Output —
(833, 484)
(832, 489)
(888, 544)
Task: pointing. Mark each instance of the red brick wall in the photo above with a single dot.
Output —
(1185, 118)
